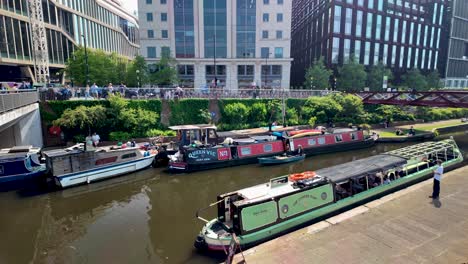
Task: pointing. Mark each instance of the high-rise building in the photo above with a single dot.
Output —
(103, 24)
(456, 48)
(239, 43)
(403, 34)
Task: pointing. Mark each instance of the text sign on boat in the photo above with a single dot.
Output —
(202, 155)
(223, 154)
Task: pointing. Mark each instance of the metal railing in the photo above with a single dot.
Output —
(12, 100)
(179, 93)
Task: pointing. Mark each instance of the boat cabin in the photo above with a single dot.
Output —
(196, 134)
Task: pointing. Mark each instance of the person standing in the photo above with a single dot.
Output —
(437, 177)
(87, 89)
(95, 137)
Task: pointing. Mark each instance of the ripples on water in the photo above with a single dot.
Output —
(145, 217)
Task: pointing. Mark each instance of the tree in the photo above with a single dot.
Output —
(375, 76)
(317, 76)
(323, 108)
(82, 117)
(352, 76)
(163, 72)
(137, 71)
(352, 108)
(413, 79)
(433, 80)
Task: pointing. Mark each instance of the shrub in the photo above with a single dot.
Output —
(119, 136)
(157, 132)
(79, 138)
(258, 113)
(312, 121)
(236, 113)
(292, 117)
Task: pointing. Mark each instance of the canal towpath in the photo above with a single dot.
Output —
(403, 227)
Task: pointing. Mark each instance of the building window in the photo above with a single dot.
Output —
(403, 33)
(266, 17)
(357, 50)
(245, 70)
(367, 53)
(380, 5)
(265, 34)
(376, 53)
(337, 20)
(246, 28)
(278, 53)
(385, 54)
(165, 52)
(408, 59)
(347, 49)
(378, 27)
(265, 52)
(348, 21)
(359, 24)
(466, 50)
(151, 52)
(395, 31)
(279, 34)
(335, 50)
(149, 17)
(149, 2)
(184, 29)
(164, 33)
(370, 4)
(150, 33)
(163, 17)
(393, 56)
(280, 2)
(279, 17)
(387, 29)
(360, 2)
(369, 25)
(163, 2)
(266, 2)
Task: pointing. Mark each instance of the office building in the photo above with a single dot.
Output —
(103, 24)
(239, 42)
(402, 34)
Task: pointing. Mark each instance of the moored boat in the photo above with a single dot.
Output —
(82, 163)
(280, 159)
(198, 153)
(20, 163)
(259, 213)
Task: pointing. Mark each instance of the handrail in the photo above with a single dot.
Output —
(205, 208)
(10, 100)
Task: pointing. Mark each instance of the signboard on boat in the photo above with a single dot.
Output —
(305, 201)
(224, 153)
(198, 155)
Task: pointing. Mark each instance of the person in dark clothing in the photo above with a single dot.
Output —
(437, 177)
(411, 131)
(299, 150)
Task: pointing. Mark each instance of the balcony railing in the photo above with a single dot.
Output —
(12, 100)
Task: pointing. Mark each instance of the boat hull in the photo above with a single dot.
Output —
(21, 177)
(213, 243)
(103, 172)
(275, 161)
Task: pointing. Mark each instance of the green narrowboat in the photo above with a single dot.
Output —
(262, 212)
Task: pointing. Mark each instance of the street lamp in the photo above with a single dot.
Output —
(86, 60)
(138, 78)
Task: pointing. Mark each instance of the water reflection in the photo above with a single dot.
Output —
(146, 217)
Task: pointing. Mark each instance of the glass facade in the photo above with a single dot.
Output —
(369, 26)
(348, 21)
(215, 28)
(359, 23)
(337, 20)
(246, 28)
(184, 29)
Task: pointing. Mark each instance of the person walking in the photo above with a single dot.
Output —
(437, 177)
(87, 89)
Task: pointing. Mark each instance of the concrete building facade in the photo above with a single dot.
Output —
(239, 43)
(403, 34)
(103, 24)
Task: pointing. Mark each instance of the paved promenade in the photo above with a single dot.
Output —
(403, 227)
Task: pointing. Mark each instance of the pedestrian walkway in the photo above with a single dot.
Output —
(403, 227)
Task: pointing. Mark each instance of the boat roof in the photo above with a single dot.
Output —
(19, 149)
(193, 127)
(423, 149)
(359, 167)
(79, 148)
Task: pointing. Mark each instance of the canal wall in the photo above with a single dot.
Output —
(403, 227)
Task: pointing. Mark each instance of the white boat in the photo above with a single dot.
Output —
(79, 165)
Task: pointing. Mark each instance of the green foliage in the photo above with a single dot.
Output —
(184, 111)
(352, 76)
(138, 120)
(292, 117)
(352, 108)
(433, 81)
(206, 116)
(119, 136)
(82, 117)
(323, 108)
(312, 121)
(137, 72)
(257, 113)
(157, 133)
(236, 113)
(375, 76)
(415, 80)
(79, 138)
(317, 76)
(275, 111)
(164, 71)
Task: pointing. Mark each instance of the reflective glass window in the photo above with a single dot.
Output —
(279, 34)
(278, 52)
(335, 50)
(151, 52)
(279, 17)
(359, 23)
(369, 25)
(337, 20)
(367, 53)
(348, 21)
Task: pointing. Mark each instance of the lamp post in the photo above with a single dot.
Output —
(138, 78)
(86, 60)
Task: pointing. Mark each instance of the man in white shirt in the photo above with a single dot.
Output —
(95, 137)
(437, 177)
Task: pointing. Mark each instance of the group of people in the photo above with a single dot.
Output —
(411, 132)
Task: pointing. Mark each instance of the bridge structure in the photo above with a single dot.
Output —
(440, 98)
(20, 121)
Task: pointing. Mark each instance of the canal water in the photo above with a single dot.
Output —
(145, 217)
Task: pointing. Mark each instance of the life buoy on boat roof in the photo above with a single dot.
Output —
(302, 176)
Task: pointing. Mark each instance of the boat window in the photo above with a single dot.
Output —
(212, 134)
(106, 160)
(342, 190)
(267, 148)
(338, 138)
(321, 140)
(311, 142)
(354, 136)
(246, 151)
(2, 171)
(129, 155)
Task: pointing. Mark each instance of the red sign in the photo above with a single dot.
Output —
(223, 154)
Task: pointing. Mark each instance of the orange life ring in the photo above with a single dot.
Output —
(302, 176)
